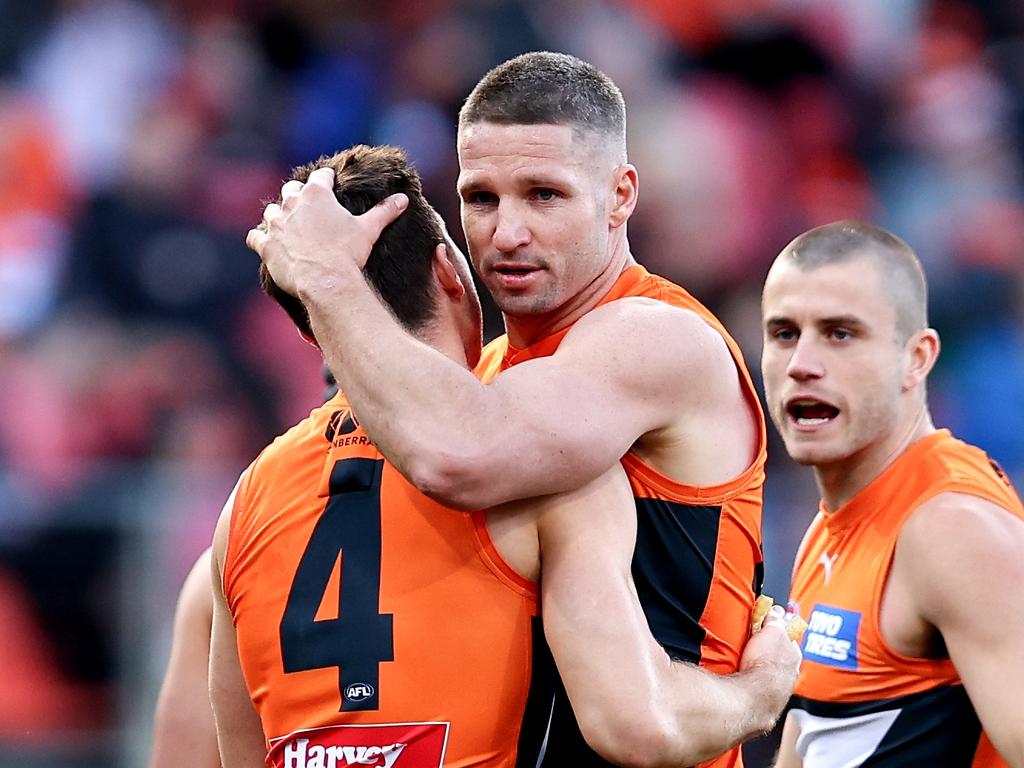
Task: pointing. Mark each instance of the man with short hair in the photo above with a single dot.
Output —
(911, 574)
(415, 643)
(602, 361)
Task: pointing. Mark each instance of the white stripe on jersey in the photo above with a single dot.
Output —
(840, 742)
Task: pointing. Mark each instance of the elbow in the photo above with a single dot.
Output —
(453, 481)
(640, 742)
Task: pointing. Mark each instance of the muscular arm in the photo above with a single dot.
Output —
(625, 370)
(184, 733)
(239, 732)
(963, 561)
(634, 705)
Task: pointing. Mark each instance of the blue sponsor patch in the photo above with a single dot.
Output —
(831, 636)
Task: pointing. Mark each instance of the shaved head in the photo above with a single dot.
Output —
(898, 267)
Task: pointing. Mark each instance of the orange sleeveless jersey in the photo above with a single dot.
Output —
(698, 560)
(375, 627)
(857, 701)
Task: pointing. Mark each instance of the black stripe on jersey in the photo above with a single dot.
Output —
(937, 728)
(673, 566)
(549, 735)
(942, 731)
(856, 708)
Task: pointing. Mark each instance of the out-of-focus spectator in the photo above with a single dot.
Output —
(34, 206)
(96, 71)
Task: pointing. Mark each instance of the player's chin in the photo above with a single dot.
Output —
(805, 452)
(523, 304)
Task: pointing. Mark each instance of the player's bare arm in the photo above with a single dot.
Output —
(239, 732)
(634, 705)
(633, 370)
(184, 731)
(960, 563)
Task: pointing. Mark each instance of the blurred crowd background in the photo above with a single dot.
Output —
(141, 369)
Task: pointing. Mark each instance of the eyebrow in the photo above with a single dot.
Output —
(848, 320)
(545, 181)
(468, 186)
(825, 322)
(475, 184)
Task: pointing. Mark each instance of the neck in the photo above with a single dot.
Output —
(444, 337)
(842, 480)
(524, 330)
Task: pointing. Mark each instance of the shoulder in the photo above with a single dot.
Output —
(195, 603)
(956, 545)
(291, 450)
(644, 313)
(219, 550)
(310, 428)
(654, 332)
(951, 521)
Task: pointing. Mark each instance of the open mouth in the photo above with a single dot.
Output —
(807, 412)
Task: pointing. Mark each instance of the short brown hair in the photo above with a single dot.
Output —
(547, 88)
(400, 265)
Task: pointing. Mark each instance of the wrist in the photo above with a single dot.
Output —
(767, 691)
(343, 280)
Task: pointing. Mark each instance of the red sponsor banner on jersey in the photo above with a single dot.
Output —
(403, 745)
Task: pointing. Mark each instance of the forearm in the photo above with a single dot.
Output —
(675, 714)
(713, 713)
(631, 700)
(425, 412)
(633, 704)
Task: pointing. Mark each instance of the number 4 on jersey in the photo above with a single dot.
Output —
(361, 637)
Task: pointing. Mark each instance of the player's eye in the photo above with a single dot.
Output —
(480, 198)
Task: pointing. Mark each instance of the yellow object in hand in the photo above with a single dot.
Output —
(795, 625)
(762, 605)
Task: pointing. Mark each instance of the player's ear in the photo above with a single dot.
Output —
(446, 275)
(624, 194)
(921, 352)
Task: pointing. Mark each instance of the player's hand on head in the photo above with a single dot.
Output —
(306, 239)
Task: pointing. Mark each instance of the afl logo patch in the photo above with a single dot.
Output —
(359, 692)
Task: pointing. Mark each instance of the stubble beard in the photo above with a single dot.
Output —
(526, 304)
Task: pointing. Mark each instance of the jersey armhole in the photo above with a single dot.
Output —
(496, 563)
(905, 664)
(228, 575)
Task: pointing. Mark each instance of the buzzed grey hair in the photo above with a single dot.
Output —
(898, 265)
